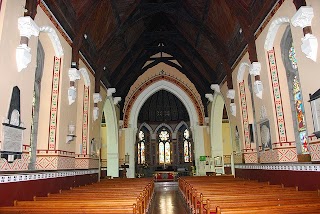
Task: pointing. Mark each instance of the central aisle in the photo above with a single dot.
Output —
(167, 200)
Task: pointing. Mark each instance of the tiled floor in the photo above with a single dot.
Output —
(167, 199)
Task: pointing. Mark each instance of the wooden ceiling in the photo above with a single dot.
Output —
(204, 36)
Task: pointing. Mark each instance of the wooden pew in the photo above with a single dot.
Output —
(110, 196)
(226, 195)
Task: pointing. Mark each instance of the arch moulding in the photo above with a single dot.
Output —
(273, 30)
(133, 105)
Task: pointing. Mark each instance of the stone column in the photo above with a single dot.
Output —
(130, 134)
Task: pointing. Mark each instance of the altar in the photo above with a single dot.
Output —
(165, 176)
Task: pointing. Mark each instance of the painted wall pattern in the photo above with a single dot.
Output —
(251, 157)
(287, 155)
(85, 120)
(314, 151)
(55, 162)
(277, 96)
(268, 156)
(244, 111)
(54, 103)
(84, 162)
(18, 164)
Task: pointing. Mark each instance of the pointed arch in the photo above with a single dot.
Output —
(147, 126)
(163, 125)
(54, 39)
(182, 123)
(193, 105)
(241, 71)
(86, 77)
(273, 30)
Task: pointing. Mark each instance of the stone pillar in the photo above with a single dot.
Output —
(130, 134)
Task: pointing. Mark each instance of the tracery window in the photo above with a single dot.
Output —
(187, 146)
(164, 147)
(141, 148)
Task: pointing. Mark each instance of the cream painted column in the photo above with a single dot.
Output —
(112, 138)
(129, 138)
(216, 125)
(198, 139)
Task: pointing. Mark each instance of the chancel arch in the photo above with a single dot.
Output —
(194, 112)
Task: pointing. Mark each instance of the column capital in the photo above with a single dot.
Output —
(27, 27)
(116, 100)
(231, 93)
(233, 109)
(215, 87)
(258, 88)
(110, 91)
(73, 74)
(310, 46)
(303, 17)
(23, 56)
(209, 97)
(255, 68)
(97, 98)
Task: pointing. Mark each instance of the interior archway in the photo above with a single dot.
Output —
(110, 145)
(137, 105)
(220, 134)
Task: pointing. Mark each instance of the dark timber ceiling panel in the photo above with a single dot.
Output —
(122, 35)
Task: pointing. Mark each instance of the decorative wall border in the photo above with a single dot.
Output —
(85, 120)
(289, 167)
(244, 111)
(277, 95)
(55, 152)
(10, 178)
(162, 76)
(54, 103)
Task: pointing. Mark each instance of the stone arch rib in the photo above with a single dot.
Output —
(196, 102)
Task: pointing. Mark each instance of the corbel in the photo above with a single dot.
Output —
(303, 18)
(96, 99)
(27, 28)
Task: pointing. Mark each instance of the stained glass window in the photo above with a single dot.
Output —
(186, 146)
(186, 151)
(292, 57)
(141, 148)
(298, 103)
(164, 147)
(167, 152)
(161, 152)
(300, 114)
(143, 157)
